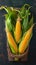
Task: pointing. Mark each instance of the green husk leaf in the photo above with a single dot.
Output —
(7, 9)
(8, 23)
(24, 14)
(10, 11)
(25, 23)
(31, 22)
(23, 10)
(6, 16)
(11, 48)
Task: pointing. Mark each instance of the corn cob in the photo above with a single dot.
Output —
(11, 41)
(17, 32)
(25, 40)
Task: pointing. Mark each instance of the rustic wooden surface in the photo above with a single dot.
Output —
(3, 50)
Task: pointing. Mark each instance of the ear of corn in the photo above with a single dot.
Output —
(25, 40)
(17, 32)
(11, 41)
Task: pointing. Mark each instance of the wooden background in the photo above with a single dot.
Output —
(32, 48)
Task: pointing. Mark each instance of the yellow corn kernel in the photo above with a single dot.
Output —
(11, 40)
(23, 44)
(17, 32)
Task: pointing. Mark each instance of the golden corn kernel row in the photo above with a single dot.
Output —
(17, 32)
(23, 44)
(11, 41)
